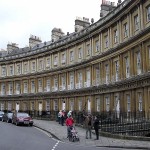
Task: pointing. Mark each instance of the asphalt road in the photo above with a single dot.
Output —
(29, 138)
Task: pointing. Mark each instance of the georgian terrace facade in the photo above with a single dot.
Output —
(103, 68)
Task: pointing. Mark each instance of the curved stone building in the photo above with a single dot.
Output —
(101, 67)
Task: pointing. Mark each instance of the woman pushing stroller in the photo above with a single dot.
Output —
(69, 124)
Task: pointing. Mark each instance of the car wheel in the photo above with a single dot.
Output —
(31, 124)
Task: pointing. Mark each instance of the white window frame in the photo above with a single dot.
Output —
(3, 88)
(80, 81)
(55, 83)
(33, 66)
(11, 71)
(32, 106)
(107, 100)
(9, 106)
(55, 105)
(127, 67)
(80, 105)
(41, 65)
(25, 106)
(40, 85)
(97, 46)
(98, 104)
(148, 13)
(115, 36)
(10, 87)
(71, 81)
(25, 87)
(63, 61)
(88, 49)
(125, 30)
(18, 88)
(71, 102)
(140, 102)
(106, 41)
(25, 67)
(18, 69)
(32, 86)
(136, 22)
(88, 78)
(48, 62)
(47, 85)
(71, 55)
(3, 71)
(63, 82)
(117, 69)
(97, 76)
(47, 105)
(80, 53)
(55, 60)
(138, 54)
(128, 103)
(107, 73)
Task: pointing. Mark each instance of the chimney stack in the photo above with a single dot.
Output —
(11, 47)
(106, 7)
(34, 40)
(56, 34)
(81, 23)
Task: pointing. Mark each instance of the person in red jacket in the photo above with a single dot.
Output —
(69, 124)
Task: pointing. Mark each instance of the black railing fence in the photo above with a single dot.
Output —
(131, 123)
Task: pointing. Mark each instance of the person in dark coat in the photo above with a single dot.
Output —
(96, 127)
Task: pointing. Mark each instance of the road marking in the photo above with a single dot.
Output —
(55, 145)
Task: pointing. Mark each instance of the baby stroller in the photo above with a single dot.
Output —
(73, 136)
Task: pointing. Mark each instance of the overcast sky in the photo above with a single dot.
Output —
(21, 18)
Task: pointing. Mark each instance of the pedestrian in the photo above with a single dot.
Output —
(62, 118)
(59, 116)
(69, 124)
(88, 125)
(96, 127)
(69, 113)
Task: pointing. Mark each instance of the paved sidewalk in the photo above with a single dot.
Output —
(60, 132)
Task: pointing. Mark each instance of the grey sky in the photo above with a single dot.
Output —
(20, 18)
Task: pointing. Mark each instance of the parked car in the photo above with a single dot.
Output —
(1, 114)
(21, 118)
(7, 117)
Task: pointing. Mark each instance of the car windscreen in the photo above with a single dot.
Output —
(10, 114)
(1, 113)
(22, 115)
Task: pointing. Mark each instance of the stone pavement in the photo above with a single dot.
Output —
(60, 133)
